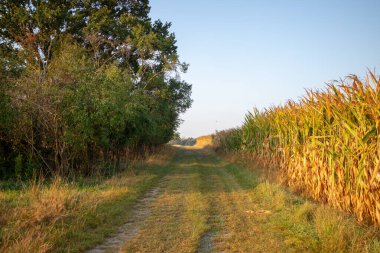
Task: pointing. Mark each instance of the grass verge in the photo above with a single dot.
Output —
(299, 223)
(63, 216)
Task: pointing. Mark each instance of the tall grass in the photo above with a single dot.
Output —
(326, 144)
(73, 215)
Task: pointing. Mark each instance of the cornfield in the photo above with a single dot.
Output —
(326, 144)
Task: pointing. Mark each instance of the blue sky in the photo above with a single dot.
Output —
(247, 53)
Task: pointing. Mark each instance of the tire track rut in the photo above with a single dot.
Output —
(130, 229)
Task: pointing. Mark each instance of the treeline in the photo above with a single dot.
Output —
(84, 83)
(327, 144)
(178, 140)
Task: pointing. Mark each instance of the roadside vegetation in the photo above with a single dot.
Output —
(209, 204)
(90, 94)
(202, 204)
(325, 145)
(178, 140)
(84, 85)
(89, 90)
(58, 215)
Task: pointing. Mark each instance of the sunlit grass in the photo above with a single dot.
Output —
(203, 203)
(301, 225)
(62, 216)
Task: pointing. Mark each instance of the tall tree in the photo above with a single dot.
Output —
(86, 79)
(110, 29)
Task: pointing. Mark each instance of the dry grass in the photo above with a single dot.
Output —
(178, 216)
(161, 158)
(203, 203)
(60, 216)
(339, 232)
(207, 204)
(304, 222)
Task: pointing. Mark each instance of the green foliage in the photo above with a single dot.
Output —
(86, 82)
(177, 140)
(31, 167)
(228, 140)
(18, 166)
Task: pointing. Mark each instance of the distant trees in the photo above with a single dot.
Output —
(83, 82)
(177, 140)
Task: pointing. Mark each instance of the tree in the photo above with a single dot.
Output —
(86, 81)
(111, 30)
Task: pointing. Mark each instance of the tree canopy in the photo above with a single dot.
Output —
(83, 81)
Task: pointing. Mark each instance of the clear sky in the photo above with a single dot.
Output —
(246, 53)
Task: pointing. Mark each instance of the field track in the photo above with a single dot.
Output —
(204, 204)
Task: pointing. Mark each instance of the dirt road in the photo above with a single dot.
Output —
(204, 204)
